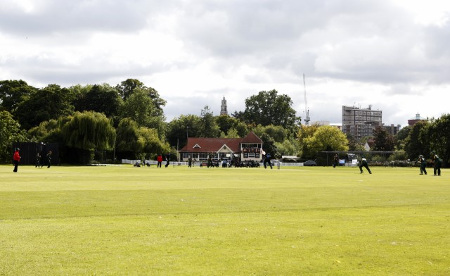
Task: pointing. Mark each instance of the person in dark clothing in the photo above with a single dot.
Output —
(437, 165)
(423, 165)
(190, 161)
(267, 161)
(167, 160)
(364, 164)
(49, 158)
(335, 160)
(16, 159)
(38, 160)
(209, 162)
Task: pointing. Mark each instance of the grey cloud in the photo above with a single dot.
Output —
(246, 27)
(55, 16)
(369, 41)
(240, 28)
(277, 35)
(45, 71)
(438, 39)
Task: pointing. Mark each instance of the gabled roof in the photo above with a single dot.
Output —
(225, 148)
(216, 144)
(210, 144)
(251, 138)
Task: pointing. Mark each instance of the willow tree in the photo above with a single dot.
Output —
(129, 142)
(89, 131)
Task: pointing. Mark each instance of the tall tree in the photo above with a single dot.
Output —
(12, 93)
(47, 103)
(99, 98)
(227, 123)
(127, 87)
(157, 100)
(269, 108)
(141, 108)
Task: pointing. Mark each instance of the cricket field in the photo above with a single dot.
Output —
(114, 220)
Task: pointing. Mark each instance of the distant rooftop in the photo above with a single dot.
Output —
(417, 117)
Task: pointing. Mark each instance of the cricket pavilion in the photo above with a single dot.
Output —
(244, 149)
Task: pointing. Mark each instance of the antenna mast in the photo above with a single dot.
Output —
(307, 118)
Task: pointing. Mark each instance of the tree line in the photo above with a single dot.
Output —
(98, 122)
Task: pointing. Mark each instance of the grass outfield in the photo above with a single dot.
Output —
(199, 221)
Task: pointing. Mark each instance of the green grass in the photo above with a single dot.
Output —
(199, 221)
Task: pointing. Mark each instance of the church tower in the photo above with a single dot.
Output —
(223, 107)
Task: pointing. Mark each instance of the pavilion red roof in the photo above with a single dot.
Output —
(215, 144)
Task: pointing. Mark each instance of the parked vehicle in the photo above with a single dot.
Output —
(310, 163)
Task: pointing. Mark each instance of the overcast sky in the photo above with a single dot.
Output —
(391, 54)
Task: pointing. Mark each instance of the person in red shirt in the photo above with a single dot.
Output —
(16, 159)
(159, 159)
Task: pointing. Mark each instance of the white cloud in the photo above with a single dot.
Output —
(430, 12)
